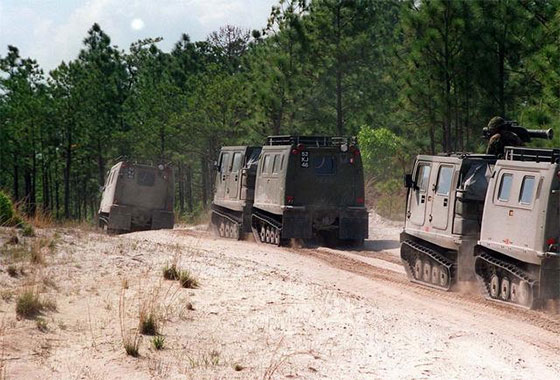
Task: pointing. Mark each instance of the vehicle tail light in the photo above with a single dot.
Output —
(356, 152)
(290, 199)
(552, 244)
(295, 152)
(351, 160)
(300, 147)
(360, 200)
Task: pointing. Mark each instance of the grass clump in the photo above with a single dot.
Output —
(148, 323)
(13, 271)
(187, 280)
(158, 342)
(170, 272)
(42, 325)
(28, 304)
(7, 211)
(131, 345)
(28, 230)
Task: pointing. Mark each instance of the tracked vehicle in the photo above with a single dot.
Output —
(137, 197)
(443, 217)
(517, 256)
(292, 187)
(446, 211)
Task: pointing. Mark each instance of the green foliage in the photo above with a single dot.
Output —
(7, 211)
(28, 304)
(158, 342)
(379, 148)
(187, 280)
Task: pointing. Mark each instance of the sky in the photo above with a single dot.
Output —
(53, 30)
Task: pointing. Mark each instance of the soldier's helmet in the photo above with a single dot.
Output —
(496, 124)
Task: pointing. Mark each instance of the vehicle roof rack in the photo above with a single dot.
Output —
(318, 141)
(476, 156)
(516, 153)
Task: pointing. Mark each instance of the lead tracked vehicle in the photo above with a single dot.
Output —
(517, 256)
(137, 197)
(293, 187)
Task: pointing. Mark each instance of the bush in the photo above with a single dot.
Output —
(7, 211)
(159, 342)
(28, 304)
(148, 323)
(170, 272)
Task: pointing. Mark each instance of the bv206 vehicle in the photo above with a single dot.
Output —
(137, 197)
(451, 217)
(293, 187)
(517, 256)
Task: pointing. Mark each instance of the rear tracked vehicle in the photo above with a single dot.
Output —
(517, 257)
(293, 187)
(137, 197)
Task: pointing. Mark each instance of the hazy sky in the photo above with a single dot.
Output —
(52, 30)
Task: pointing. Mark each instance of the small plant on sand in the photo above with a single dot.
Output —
(37, 255)
(130, 339)
(28, 304)
(42, 324)
(159, 342)
(12, 271)
(187, 280)
(28, 230)
(170, 272)
(148, 323)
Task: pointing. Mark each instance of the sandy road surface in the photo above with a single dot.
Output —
(263, 312)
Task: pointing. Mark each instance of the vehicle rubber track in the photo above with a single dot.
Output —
(266, 229)
(427, 267)
(505, 282)
(226, 225)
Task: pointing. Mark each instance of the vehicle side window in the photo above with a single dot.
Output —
(224, 162)
(445, 178)
(276, 167)
(266, 164)
(505, 187)
(527, 186)
(236, 165)
(423, 177)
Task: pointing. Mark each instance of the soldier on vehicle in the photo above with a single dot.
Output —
(500, 136)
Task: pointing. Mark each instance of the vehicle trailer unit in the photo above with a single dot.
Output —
(517, 256)
(137, 197)
(300, 187)
(444, 207)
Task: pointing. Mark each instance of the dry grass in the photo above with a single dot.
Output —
(187, 280)
(158, 342)
(170, 272)
(130, 339)
(28, 304)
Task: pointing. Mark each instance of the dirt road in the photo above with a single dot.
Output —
(263, 312)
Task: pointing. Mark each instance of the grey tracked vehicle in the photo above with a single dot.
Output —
(292, 187)
(517, 257)
(137, 197)
(445, 213)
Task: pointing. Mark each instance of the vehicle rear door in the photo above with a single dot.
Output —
(418, 196)
(442, 192)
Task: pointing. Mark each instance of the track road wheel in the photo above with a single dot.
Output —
(262, 234)
(427, 275)
(505, 289)
(276, 236)
(222, 229)
(418, 265)
(235, 231)
(443, 277)
(494, 286)
(435, 274)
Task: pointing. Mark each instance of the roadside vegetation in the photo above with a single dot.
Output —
(373, 68)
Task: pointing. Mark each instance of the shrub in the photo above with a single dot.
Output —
(28, 230)
(7, 211)
(131, 344)
(42, 325)
(28, 304)
(187, 280)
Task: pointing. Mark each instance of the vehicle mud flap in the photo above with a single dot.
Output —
(298, 226)
(494, 274)
(353, 228)
(119, 219)
(162, 219)
(417, 259)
